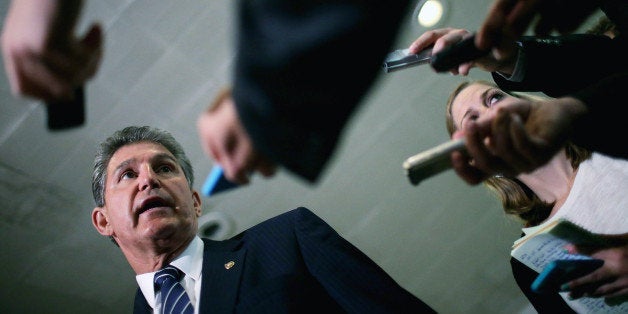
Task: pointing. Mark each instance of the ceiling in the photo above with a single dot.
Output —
(445, 241)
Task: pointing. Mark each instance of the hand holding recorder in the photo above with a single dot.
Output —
(452, 50)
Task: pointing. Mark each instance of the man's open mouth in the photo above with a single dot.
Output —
(150, 203)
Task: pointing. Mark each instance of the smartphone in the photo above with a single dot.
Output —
(432, 161)
(456, 54)
(65, 115)
(561, 271)
(216, 182)
(400, 59)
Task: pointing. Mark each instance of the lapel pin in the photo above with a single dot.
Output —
(229, 264)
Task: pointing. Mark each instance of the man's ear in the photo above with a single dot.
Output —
(197, 204)
(101, 221)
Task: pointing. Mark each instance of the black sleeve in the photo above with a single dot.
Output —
(303, 67)
(590, 68)
(604, 121)
(543, 303)
(561, 65)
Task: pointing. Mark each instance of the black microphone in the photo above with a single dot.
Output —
(67, 114)
(454, 55)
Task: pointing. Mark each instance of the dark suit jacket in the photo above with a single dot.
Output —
(303, 67)
(294, 263)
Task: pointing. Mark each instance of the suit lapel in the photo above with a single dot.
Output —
(223, 263)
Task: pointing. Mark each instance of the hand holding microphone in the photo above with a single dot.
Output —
(457, 54)
(458, 48)
(444, 60)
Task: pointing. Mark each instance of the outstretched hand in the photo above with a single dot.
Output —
(445, 37)
(509, 19)
(518, 138)
(43, 58)
(224, 138)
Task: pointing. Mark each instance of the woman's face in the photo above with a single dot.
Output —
(475, 101)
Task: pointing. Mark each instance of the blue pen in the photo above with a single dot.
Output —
(216, 182)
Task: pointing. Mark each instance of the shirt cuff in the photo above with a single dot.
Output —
(519, 70)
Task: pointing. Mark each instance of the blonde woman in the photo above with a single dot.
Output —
(574, 183)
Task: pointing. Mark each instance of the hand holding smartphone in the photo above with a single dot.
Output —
(562, 271)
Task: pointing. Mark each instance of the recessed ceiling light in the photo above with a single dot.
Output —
(429, 13)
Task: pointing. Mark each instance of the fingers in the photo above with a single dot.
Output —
(266, 167)
(512, 144)
(427, 39)
(506, 21)
(53, 73)
(440, 38)
(599, 283)
(31, 77)
(520, 17)
(464, 68)
(468, 173)
(448, 38)
(618, 296)
(471, 166)
(491, 150)
(491, 30)
(77, 61)
(609, 281)
(92, 45)
(224, 138)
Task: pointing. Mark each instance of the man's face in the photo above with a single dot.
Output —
(147, 199)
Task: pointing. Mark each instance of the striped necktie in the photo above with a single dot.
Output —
(174, 299)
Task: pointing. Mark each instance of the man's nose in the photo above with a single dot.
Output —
(148, 179)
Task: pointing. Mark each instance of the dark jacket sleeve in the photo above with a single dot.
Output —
(603, 122)
(590, 68)
(303, 67)
(350, 276)
(543, 303)
(557, 68)
(561, 65)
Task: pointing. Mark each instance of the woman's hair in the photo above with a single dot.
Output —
(517, 199)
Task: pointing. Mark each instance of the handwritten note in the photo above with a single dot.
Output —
(538, 251)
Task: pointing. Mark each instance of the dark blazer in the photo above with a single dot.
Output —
(303, 67)
(293, 263)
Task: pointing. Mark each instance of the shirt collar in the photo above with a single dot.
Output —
(190, 262)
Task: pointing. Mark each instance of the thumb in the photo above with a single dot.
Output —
(93, 38)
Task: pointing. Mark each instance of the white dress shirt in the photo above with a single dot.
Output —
(191, 263)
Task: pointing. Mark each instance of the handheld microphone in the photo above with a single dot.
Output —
(456, 54)
(432, 161)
